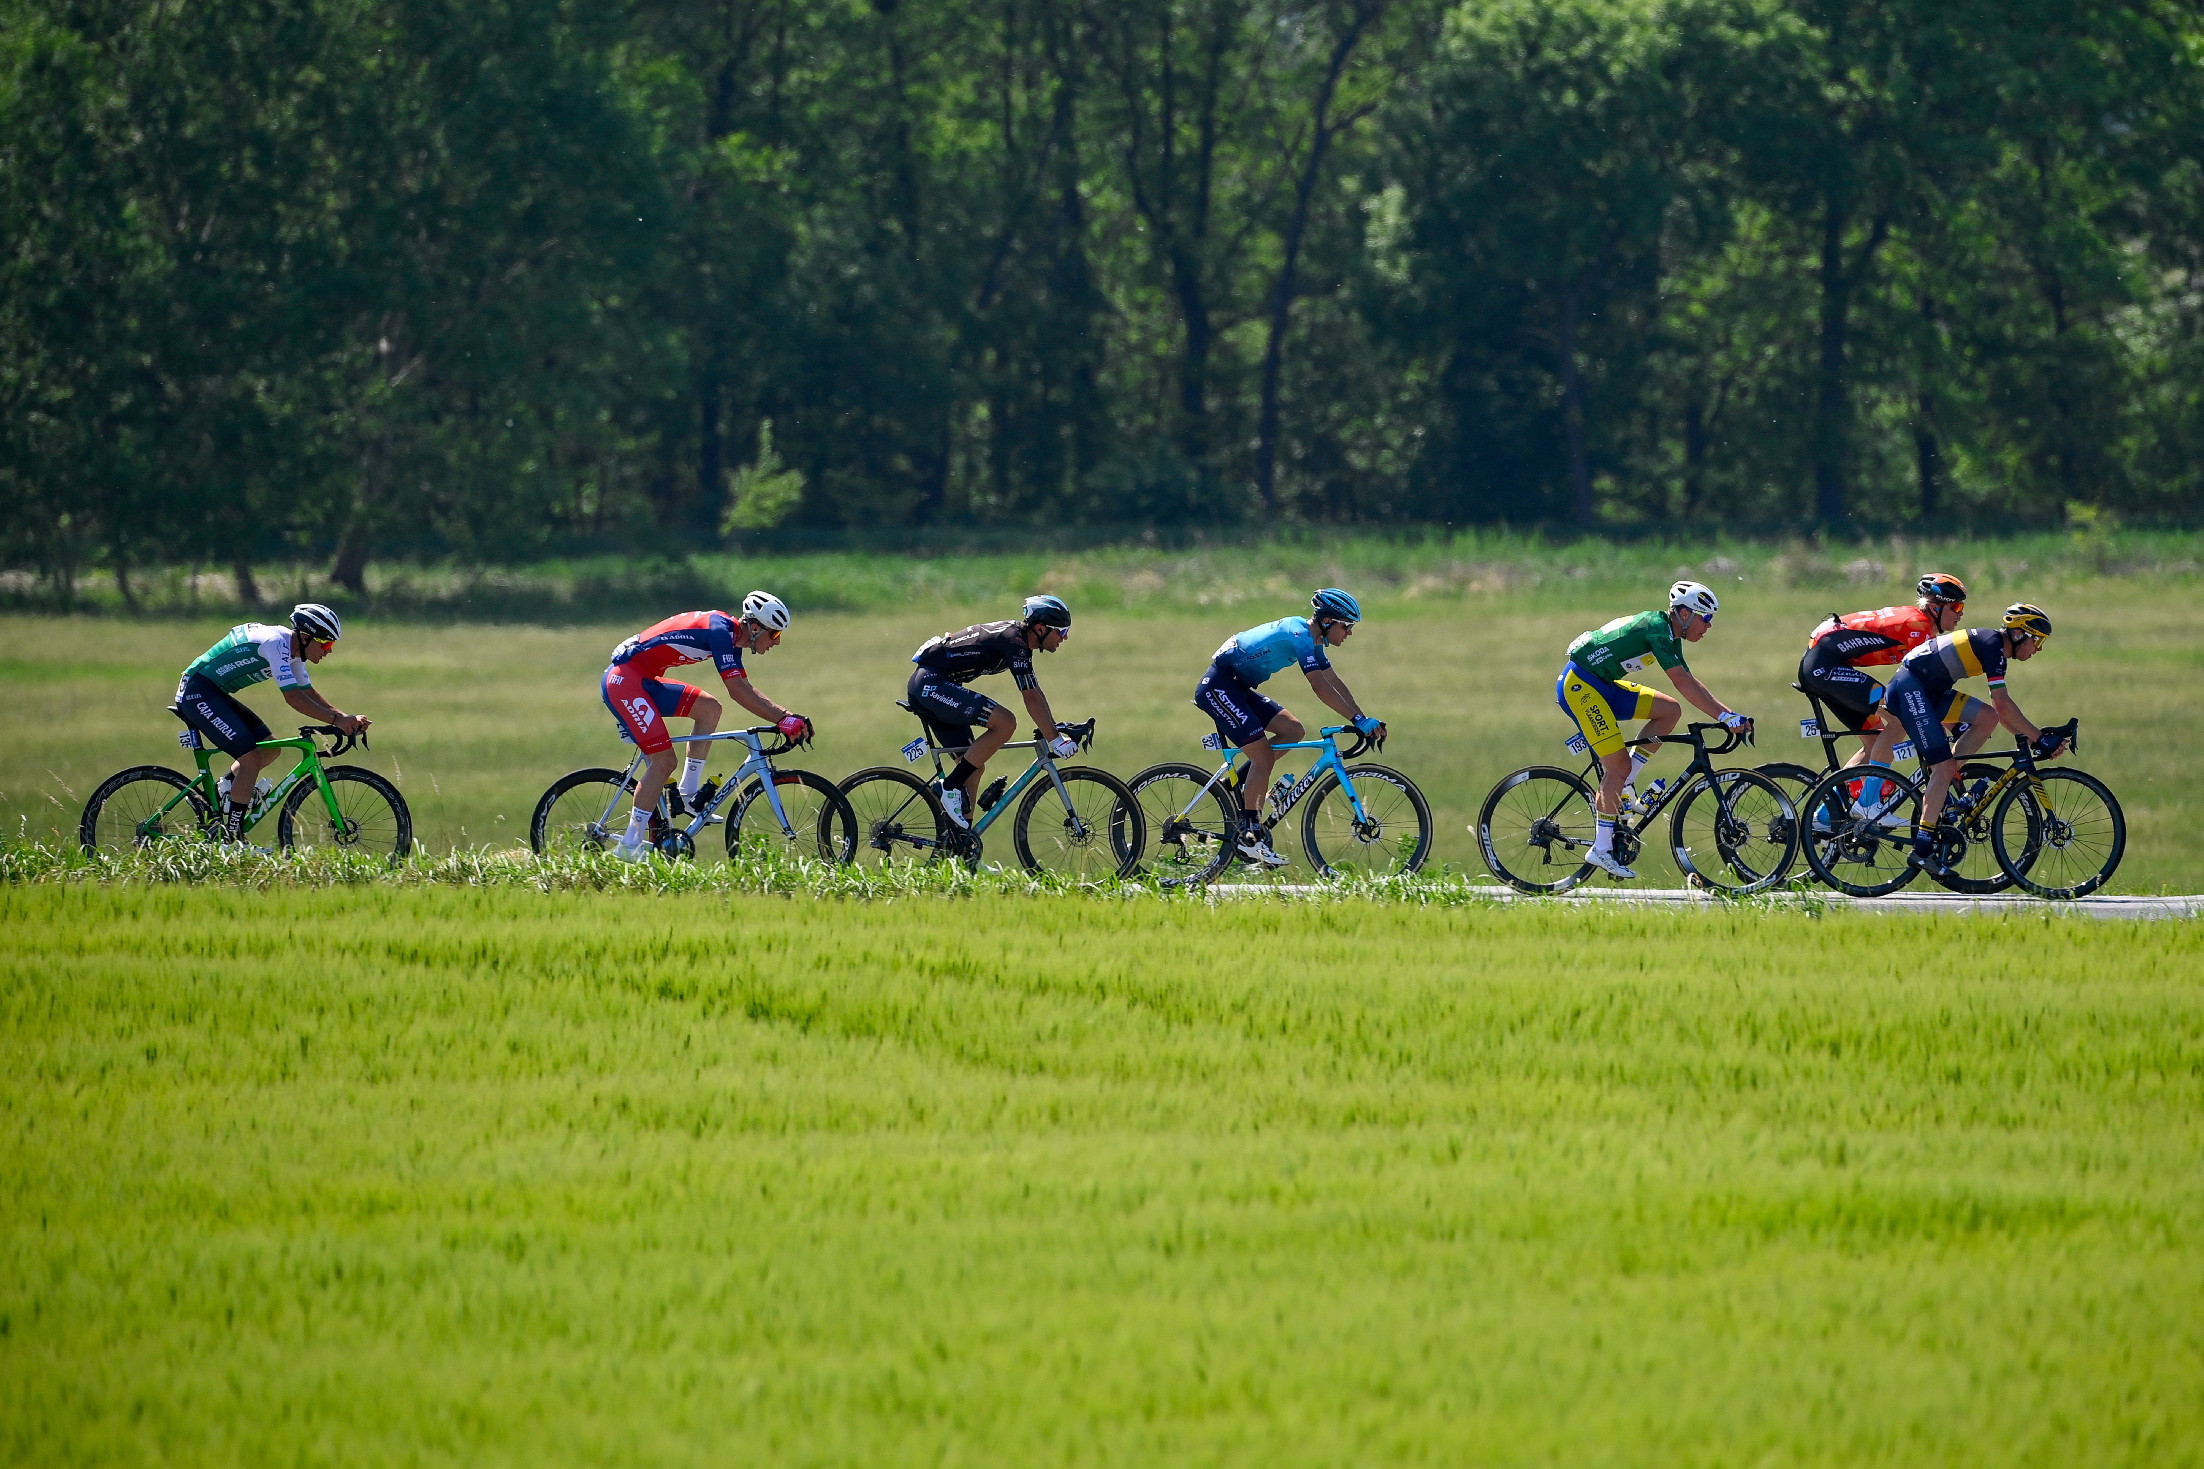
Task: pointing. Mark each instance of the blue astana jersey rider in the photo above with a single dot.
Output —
(1228, 691)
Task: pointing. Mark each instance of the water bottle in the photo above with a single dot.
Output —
(261, 788)
(1278, 792)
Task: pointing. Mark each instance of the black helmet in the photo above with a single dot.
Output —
(1046, 611)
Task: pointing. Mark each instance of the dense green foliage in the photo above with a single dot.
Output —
(352, 274)
(485, 1178)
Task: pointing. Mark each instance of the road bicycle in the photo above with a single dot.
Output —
(2056, 831)
(1734, 831)
(357, 810)
(1978, 871)
(1075, 821)
(790, 812)
(1360, 821)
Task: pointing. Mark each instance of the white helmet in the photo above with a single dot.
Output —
(317, 621)
(766, 610)
(1694, 597)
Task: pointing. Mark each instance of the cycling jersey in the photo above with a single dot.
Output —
(1975, 652)
(980, 650)
(1628, 645)
(1865, 639)
(689, 637)
(1254, 655)
(249, 653)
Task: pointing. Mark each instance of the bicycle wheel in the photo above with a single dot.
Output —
(2070, 829)
(821, 825)
(371, 816)
(1535, 827)
(138, 808)
(1735, 831)
(1852, 852)
(1793, 780)
(581, 812)
(899, 819)
(1190, 823)
(1978, 870)
(1392, 837)
(1099, 834)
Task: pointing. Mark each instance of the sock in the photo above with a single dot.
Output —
(237, 815)
(1638, 759)
(638, 827)
(1605, 841)
(960, 779)
(692, 776)
(1871, 791)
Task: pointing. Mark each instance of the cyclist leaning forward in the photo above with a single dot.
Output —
(937, 693)
(248, 654)
(1592, 692)
(1228, 694)
(643, 701)
(1924, 696)
(1841, 646)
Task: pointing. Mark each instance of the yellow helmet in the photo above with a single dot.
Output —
(2025, 617)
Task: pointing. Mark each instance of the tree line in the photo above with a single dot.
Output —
(357, 277)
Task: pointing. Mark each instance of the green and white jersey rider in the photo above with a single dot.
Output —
(1629, 647)
(250, 653)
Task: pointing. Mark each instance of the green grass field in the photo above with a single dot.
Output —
(313, 1175)
(474, 720)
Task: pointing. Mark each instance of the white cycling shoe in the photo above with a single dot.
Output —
(952, 806)
(1605, 862)
(1254, 845)
(628, 851)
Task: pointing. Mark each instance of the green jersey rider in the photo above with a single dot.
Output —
(250, 653)
(1593, 691)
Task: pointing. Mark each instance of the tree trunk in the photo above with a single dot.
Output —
(248, 591)
(1695, 453)
(1830, 398)
(349, 568)
(122, 585)
(1927, 461)
(1572, 404)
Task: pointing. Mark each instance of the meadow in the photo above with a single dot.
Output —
(475, 718)
(357, 1175)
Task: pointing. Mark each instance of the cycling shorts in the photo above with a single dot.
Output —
(950, 710)
(1241, 713)
(1599, 706)
(1924, 712)
(202, 704)
(1844, 689)
(643, 704)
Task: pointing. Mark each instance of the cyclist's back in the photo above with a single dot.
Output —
(1253, 656)
(250, 653)
(686, 637)
(1870, 639)
(979, 651)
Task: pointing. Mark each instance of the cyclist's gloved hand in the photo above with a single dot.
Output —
(1063, 746)
(2047, 745)
(1735, 722)
(1367, 725)
(794, 728)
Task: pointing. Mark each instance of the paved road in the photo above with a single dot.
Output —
(2129, 908)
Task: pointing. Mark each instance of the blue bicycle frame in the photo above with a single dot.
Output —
(1282, 799)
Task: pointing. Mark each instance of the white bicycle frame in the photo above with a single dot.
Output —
(753, 765)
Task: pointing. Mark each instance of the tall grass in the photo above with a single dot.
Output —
(483, 1176)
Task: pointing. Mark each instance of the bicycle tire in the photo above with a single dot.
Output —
(577, 828)
(1189, 828)
(1529, 812)
(2062, 823)
(1980, 869)
(126, 815)
(825, 834)
(1087, 842)
(372, 819)
(1749, 832)
(1836, 842)
(1337, 845)
(899, 818)
(1795, 780)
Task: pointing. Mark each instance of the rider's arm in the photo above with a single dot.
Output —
(1687, 683)
(2009, 715)
(1333, 691)
(1036, 704)
(309, 702)
(739, 689)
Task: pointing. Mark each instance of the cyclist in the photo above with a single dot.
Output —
(249, 653)
(1593, 693)
(1924, 696)
(642, 701)
(1839, 647)
(939, 696)
(1257, 724)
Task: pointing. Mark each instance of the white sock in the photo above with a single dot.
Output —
(1637, 765)
(638, 827)
(692, 775)
(1605, 841)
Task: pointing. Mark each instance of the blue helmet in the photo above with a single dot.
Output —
(1045, 611)
(1333, 603)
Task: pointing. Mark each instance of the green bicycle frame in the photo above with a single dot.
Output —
(209, 785)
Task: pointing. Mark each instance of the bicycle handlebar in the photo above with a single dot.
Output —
(786, 744)
(1082, 732)
(1732, 738)
(340, 743)
(2070, 732)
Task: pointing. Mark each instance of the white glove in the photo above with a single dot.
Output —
(1734, 721)
(1063, 747)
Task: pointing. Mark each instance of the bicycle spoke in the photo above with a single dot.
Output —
(1536, 826)
(2067, 827)
(1391, 837)
(1090, 832)
(1189, 827)
(1733, 833)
